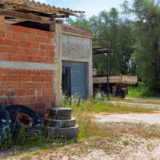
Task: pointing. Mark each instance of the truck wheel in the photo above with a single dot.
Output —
(24, 117)
(4, 124)
(122, 95)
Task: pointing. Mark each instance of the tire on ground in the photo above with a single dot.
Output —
(24, 117)
(4, 124)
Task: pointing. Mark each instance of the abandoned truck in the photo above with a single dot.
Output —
(118, 84)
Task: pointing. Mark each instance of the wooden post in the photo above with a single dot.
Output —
(2, 19)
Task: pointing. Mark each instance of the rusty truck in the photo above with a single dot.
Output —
(118, 84)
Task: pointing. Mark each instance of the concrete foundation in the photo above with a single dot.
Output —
(61, 123)
(60, 113)
(70, 132)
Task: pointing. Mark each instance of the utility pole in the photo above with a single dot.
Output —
(108, 89)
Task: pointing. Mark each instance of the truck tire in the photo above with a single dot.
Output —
(24, 117)
(4, 124)
(122, 95)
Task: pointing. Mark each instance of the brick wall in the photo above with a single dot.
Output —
(28, 86)
(26, 45)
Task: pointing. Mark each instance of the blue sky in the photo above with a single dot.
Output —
(91, 7)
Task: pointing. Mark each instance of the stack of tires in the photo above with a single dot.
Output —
(15, 117)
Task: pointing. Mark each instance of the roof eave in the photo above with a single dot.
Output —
(78, 34)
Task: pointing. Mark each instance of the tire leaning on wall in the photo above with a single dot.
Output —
(24, 117)
(4, 124)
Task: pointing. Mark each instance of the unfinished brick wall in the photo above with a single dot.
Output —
(27, 86)
(26, 45)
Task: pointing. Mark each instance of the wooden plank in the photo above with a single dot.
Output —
(122, 79)
(129, 79)
(25, 16)
(102, 80)
(60, 16)
(2, 19)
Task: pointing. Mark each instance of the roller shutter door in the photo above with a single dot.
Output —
(78, 78)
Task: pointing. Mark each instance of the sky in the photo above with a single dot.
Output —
(91, 7)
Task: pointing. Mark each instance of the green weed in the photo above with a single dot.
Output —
(84, 110)
(25, 140)
(100, 104)
(141, 91)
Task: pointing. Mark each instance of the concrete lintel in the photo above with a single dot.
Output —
(27, 65)
(75, 60)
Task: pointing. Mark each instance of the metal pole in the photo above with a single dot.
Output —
(108, 90)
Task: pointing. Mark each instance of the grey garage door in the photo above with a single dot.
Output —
(78, 78)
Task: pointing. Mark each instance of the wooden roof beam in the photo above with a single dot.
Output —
(2, 19)
(25, 16)
(60, 16)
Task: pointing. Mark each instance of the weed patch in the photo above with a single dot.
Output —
(100, 104)
(84, 111)
(90, 130)
(24, 141)
(141, 91)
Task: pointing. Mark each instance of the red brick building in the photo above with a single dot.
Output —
(31, 54)
(24, 77)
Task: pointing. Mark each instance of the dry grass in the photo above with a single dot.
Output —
(139, 100)
(111, 138)
(100, 104)
(136, 129)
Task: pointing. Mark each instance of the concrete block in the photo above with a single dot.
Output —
(59, 123)
(60, 113)
(70, 132)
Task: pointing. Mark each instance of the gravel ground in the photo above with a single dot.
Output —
(130, 118)
(145, 149)
(130, 147)
(146, 105)
(136, 149)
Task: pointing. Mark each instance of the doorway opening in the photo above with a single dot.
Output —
(66, 81)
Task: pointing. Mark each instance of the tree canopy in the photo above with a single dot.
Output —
(147, 40)
(134, 42)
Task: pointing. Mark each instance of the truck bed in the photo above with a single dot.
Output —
(118, 78)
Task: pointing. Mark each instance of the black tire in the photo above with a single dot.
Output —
(4, 124)
(122, 95)
(34, 128)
